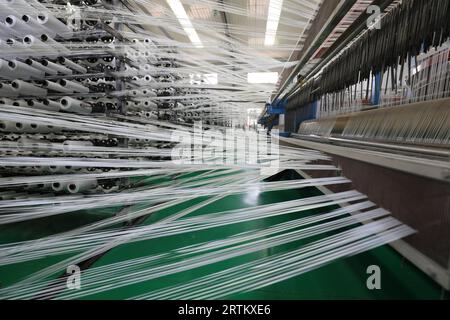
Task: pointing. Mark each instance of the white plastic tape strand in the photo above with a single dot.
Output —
(24, 71)
(34, 43)
(75, 106)
(37, 28)
(73, 86)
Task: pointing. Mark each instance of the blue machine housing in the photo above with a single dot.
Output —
(277, 107)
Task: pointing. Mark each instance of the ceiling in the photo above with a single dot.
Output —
(232, 35)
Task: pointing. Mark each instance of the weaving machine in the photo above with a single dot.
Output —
(132, 167)
(381, 109)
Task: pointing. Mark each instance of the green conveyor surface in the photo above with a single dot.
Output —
(342, 279)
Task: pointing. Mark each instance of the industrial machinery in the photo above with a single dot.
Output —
(377, 102)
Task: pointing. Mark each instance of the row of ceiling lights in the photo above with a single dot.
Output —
(273, 19)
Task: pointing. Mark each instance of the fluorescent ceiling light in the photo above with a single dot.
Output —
(185, 22)
(262, 77)
(273, 18)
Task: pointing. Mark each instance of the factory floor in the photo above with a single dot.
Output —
(342, 279)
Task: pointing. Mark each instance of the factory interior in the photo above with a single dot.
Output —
(224, 150)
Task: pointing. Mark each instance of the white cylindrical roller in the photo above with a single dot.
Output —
(129, 104)
(74, 86)
(148, 42)
(7, 32)
(20, 103)
(57, 67)
(52, 23)
(68, 169)
(31, 127)
(17, 48)
(8, 126)
(19, 127)
(81, 185)
(36, 44)
(148, 93)
(139, 56)
(5, 70)
(147, 67)
(149, 105)
(6, 10)
(28, 186)
(70, 143)
(37, 104)
(20, 196)
(59, 185)
(7, 195)
(72, 65)
(54, 86)
(7, 90)
(69, 104)
(24, 71)
(150, 115)
(150, 57)
(43, 186)
(37, 27)
(6, 101)
(25, 88)
(137, 105)
(41, 67)
(4, 47)
(137, 44)
(56, 45)
(17, 25)
(51, 105)
(21, 5)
